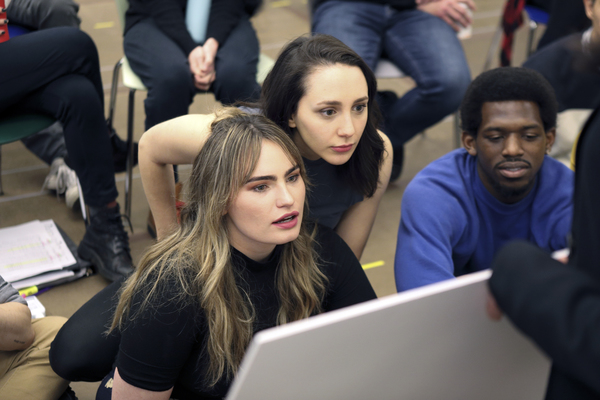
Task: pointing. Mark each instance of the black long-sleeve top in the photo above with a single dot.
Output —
(169, 15)
(166, 346)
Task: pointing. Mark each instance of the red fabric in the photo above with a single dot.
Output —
(3, 27)
(511, 21)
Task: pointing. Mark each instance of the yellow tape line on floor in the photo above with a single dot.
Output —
(104, 25)
(280, 3)
(373, 265)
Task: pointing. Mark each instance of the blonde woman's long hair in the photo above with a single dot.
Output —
(197, 256)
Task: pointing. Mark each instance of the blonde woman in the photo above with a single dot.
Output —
(243, 259)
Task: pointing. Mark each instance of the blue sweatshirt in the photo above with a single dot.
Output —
(451, 225)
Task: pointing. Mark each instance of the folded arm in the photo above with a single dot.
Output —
(430, 226)
(173, 142)
(357, 222)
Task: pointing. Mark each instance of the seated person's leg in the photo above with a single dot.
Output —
(359, 25)
(82, 351)
(27, 374)
(426, 48)
(236, 64)
(162, 66)
(43, 14)
(69, 88)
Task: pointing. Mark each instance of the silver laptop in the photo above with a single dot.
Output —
(434, 342)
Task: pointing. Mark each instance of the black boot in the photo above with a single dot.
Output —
(106, 245)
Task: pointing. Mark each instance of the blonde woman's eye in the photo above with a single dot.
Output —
(260, 188)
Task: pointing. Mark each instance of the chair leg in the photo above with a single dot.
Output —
(532, 28)
(84, 212)
(1, 191)
(113, 92)
(129, 173)
(457, 131)
(493, 48)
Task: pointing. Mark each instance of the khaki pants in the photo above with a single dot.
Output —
(26, 374)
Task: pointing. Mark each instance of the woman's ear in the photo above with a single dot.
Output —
(291, 122)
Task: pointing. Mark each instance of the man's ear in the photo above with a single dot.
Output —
(291, 122)
(550, 137)
(468, 142)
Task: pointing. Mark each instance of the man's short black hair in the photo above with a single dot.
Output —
(507, 84)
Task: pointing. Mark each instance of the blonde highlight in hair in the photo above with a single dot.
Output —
(197, 256)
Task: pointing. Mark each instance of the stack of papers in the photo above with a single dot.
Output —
(34, 253)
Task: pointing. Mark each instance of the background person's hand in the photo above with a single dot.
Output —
(491, 307)
(451, 11)
(196, 59)
(202, 64)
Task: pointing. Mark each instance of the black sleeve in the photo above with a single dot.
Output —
(224, 16)
(156, 344)
(348, 283)
(557, 305)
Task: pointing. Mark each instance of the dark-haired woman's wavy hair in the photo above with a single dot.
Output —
(196, 259)
(286, 85)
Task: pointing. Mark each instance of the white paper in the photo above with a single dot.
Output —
(31, 249)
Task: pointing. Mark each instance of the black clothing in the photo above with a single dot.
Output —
(558, 306)
(572, 73)
(396, 4)
(56, 72)
(566, 17)
(169, 15)
(175, 353)
(82, 352)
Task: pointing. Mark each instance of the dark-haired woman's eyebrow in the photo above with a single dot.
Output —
(362, 99)
(293, 169)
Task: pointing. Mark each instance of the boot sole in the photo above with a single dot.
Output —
(93, 257)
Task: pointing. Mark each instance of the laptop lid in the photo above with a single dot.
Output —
(434, 342)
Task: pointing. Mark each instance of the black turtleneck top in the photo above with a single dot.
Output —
(165, 346)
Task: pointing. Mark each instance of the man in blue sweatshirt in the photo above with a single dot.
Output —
(460, 209)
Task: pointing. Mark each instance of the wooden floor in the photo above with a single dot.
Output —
(277, 23)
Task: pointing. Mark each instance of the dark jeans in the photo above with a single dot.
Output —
(163, 68)
(56, 72)
(82, 351)
(421, 45)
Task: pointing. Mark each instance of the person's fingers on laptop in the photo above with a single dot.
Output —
(491, 307)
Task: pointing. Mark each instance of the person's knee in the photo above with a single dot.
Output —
(57, 13)
(447, 88)
(235, 82)
(66, 354)
(170, 80)
(74, 43)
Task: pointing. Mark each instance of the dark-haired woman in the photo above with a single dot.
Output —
(322, 94)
